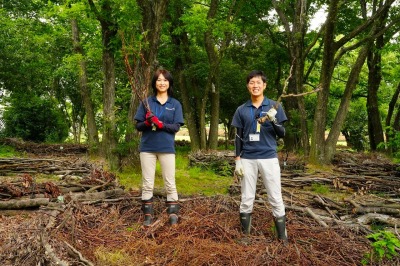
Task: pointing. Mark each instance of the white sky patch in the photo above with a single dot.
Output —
(318, 19)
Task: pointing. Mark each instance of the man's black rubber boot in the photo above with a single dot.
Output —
(245, 222)
(147, 208)
(172, 210)
(280, 225)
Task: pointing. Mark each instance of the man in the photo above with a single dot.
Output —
(258, 123)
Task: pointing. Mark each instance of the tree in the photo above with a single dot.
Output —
(322, 151)
(109, 29)
(375, 129)
(295, 19)
(93, 138)
(152, 15)
(34, 118)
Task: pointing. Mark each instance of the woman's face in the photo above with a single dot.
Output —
(162, 84)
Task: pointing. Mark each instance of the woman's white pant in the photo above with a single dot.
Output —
(270, 173)
(148, 163)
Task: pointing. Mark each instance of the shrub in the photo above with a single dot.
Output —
(385, 246)
(35, 119)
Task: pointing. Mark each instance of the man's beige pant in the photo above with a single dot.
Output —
(148, 162)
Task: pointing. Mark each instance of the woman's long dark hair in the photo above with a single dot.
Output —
(166, 75)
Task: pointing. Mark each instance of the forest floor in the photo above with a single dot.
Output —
(88, 219)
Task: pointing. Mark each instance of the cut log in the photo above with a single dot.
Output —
(95, 196)
(23, 203)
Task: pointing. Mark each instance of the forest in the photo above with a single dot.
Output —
(73, 73)
(334, 65)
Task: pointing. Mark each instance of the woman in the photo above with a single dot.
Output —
(158, 126)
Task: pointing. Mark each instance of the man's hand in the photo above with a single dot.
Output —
(148, 117)
(271, 114)
(239, 168)
(159, 124)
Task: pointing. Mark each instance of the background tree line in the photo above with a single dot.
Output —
(62, 69)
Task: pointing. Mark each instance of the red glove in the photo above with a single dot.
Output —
(157, 122)
(148, 120)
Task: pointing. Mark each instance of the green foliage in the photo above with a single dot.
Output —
(320, 188)
(385, 245)
(7, 151)
(393, 143)
(36, 119)
(189, 180)
(355, 128)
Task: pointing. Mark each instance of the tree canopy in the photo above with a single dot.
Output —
(335, 65)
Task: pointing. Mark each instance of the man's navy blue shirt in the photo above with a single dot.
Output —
(246, 117)
(169, 113)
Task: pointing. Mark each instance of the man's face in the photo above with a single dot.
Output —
(256, 86)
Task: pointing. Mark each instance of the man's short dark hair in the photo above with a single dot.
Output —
(256, 73)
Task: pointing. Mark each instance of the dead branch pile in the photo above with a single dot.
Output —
(104, 221)
(65, 149)
(223, 162)
(208, 234)
(367, 188)
(19, 187)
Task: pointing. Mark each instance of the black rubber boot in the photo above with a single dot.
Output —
(280, 225)
(147, 208)
(245, 222)
(172, 210)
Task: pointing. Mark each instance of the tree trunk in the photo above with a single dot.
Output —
(375, 130)
(214, 120)
(109, 127)
(321, 151)
(153, 13)
(389, 116)
(214, 60)
(297, 137)
(109, 32)
(189, 103)
(93, 138)
(351, 84)
(317, 148)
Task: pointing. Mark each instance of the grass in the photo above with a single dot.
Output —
(189, 180)
(8, 152)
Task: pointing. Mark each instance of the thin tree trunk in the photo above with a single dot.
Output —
(212, 86)
(187, 83)
(389, 116)
(93, 138)
(297, 137)
(319, 153)
(317, 148)
(351, 84)
(153, 13)
(109, 32)
(375, 130)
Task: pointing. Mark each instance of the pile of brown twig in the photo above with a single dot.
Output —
(104, 222)
(207, 234)
(65, 149)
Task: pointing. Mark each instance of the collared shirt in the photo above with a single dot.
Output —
(246, 117)
(169, 113)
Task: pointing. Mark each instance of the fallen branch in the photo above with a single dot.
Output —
(23, 203)
(77, 255)
(94, 196)
(49, 251)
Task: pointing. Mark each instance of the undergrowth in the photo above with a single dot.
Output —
(189, 180)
